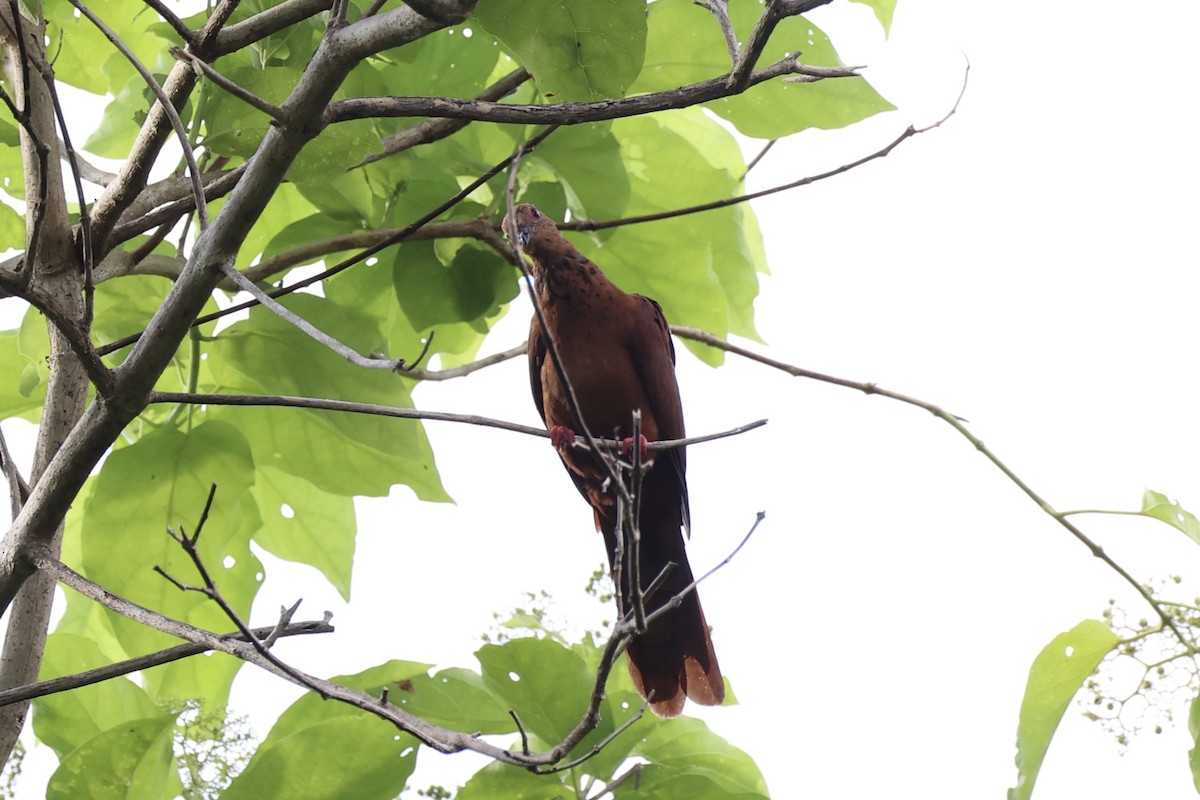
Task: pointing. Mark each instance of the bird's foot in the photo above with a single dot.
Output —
(627, 445)
(561, 437)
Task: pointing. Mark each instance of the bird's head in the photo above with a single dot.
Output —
(530, 225)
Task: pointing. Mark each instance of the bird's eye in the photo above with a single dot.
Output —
(535, 213)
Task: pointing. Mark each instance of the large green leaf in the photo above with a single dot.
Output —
(1056, 675)
(68, 719)
(87, 59)
(163, 480)
(689, 760)
(685, 45)
(703, 267)
(884, 9)
(301, 523)
(23, 387)
(498, 780)
(322, 749)
(455, 698)
(1194, 753)
(586, 161)
(129, 761)
(338, 452)
(575, 49)
(546, 684)
(470, 289)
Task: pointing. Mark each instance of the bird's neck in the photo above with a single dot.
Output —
(567, 277)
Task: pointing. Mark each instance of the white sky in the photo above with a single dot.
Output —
(1031, 267)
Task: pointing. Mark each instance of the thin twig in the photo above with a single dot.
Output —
(18, 489)
(720, 10)
(307, 328)
(434, 129)
(180, 27)
(909, 132)
(284, 401)
(754, 161)
(202, 67)
(167, 106)
(959, 425)
(212, 592)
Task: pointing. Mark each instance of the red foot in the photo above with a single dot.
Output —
(627, 445)
(561, 437)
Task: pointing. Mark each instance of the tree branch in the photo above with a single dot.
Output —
(432, 130)
(398, 236)
(325, 404)
(958, 425)
(571, 113)
(164, 102)
(176, 653)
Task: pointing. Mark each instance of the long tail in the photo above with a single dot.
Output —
(674, 658)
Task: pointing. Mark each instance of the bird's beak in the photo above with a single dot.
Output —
(524, 233)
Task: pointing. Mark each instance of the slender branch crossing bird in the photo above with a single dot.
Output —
(616, 351)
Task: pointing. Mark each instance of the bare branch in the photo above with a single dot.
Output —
(908, 133)
(307, 328)
(265, 23)
(164, 101)
(958, 424)
(571, 113)
(185, 33)
(176, 653)
(720, 10)
(326, 404)
(18, 489)
(431, 130)
(177, 195)
(202, 67)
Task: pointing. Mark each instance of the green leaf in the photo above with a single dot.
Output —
(689, 760)
(707, 276)
(122, 118)
(68, 719)
(456, 62)
(575, 49)
(470, 289)
(129, 760)
(1056, 675)
(1194, 753)
(685, 46)
(454, 698)
(301, 523)
(498, 780)
(1160, 507)
(163, 480)
(86, 59)
(12, 229)
(546, 684)
(884, 9)
(23, 388)
(586, 161)
(338, 452)
(322, 749)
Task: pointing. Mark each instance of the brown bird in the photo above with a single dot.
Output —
(617, 353)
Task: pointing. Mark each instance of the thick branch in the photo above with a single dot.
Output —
(571, 113)
(176, 653)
